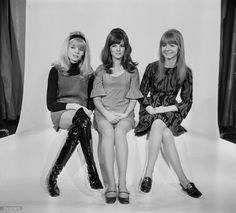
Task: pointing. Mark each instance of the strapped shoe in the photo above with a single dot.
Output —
(123, 200)
(110, 200)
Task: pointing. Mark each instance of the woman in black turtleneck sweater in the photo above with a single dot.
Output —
(69, 85)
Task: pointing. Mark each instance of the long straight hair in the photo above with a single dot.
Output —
(63, 63)
(116, 36)
(173, 36)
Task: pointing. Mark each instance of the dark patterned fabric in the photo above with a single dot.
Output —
(164, 93)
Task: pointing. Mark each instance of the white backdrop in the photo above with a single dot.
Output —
(48, 22)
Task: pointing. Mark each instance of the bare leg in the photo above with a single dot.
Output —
(106, 149)
(171, 153)
(121, 131)
(66, 119)
(101, 161)
(155, 140)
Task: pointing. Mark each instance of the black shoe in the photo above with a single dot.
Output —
(146, 184)
(52, 186)
(191, 190)
(54, 190)
(110, 200)
(123, 200)
(95, 183)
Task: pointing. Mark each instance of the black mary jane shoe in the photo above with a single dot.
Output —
(146, 184)
(192, 190)
(123, 200)
(110, 200)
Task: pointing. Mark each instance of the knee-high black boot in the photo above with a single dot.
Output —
(85, 137)
(64, 156)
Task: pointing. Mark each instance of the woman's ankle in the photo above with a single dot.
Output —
(111, 187)
(122, 186)
(148, 174)
(184, 183)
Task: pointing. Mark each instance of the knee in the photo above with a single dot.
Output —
(107, 132)
(119, 132)
(167, 134)
(158, 124)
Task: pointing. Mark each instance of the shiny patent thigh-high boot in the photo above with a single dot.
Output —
(85, 137)
(64, 155)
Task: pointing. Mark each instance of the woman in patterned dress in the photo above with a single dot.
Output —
(115, 91)
(160, 114)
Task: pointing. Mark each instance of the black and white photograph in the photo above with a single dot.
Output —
(117, 106)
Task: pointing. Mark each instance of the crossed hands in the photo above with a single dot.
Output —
(161, 109)
(114, 117)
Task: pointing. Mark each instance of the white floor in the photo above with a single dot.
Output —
(25, 159)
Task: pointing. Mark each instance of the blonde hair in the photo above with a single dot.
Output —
(63, 63)
(173, 36)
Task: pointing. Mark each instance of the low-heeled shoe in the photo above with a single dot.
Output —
(110, 200)
(192, 190)
(146, 184)
(123, 200)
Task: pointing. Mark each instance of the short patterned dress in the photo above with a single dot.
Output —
(115, 92)
(164, 93)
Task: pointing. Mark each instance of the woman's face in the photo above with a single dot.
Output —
(169, 51)
(75, 51)
(117, 50)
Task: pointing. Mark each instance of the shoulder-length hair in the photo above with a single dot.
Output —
(63, 63)
(173, 36)
(116, 36)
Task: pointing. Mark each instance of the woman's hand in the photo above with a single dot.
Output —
(120, 115)
(150, 110)
(163, 109)
(160, 109)
(111, 117)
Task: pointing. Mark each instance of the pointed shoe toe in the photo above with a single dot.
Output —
(192, 190)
